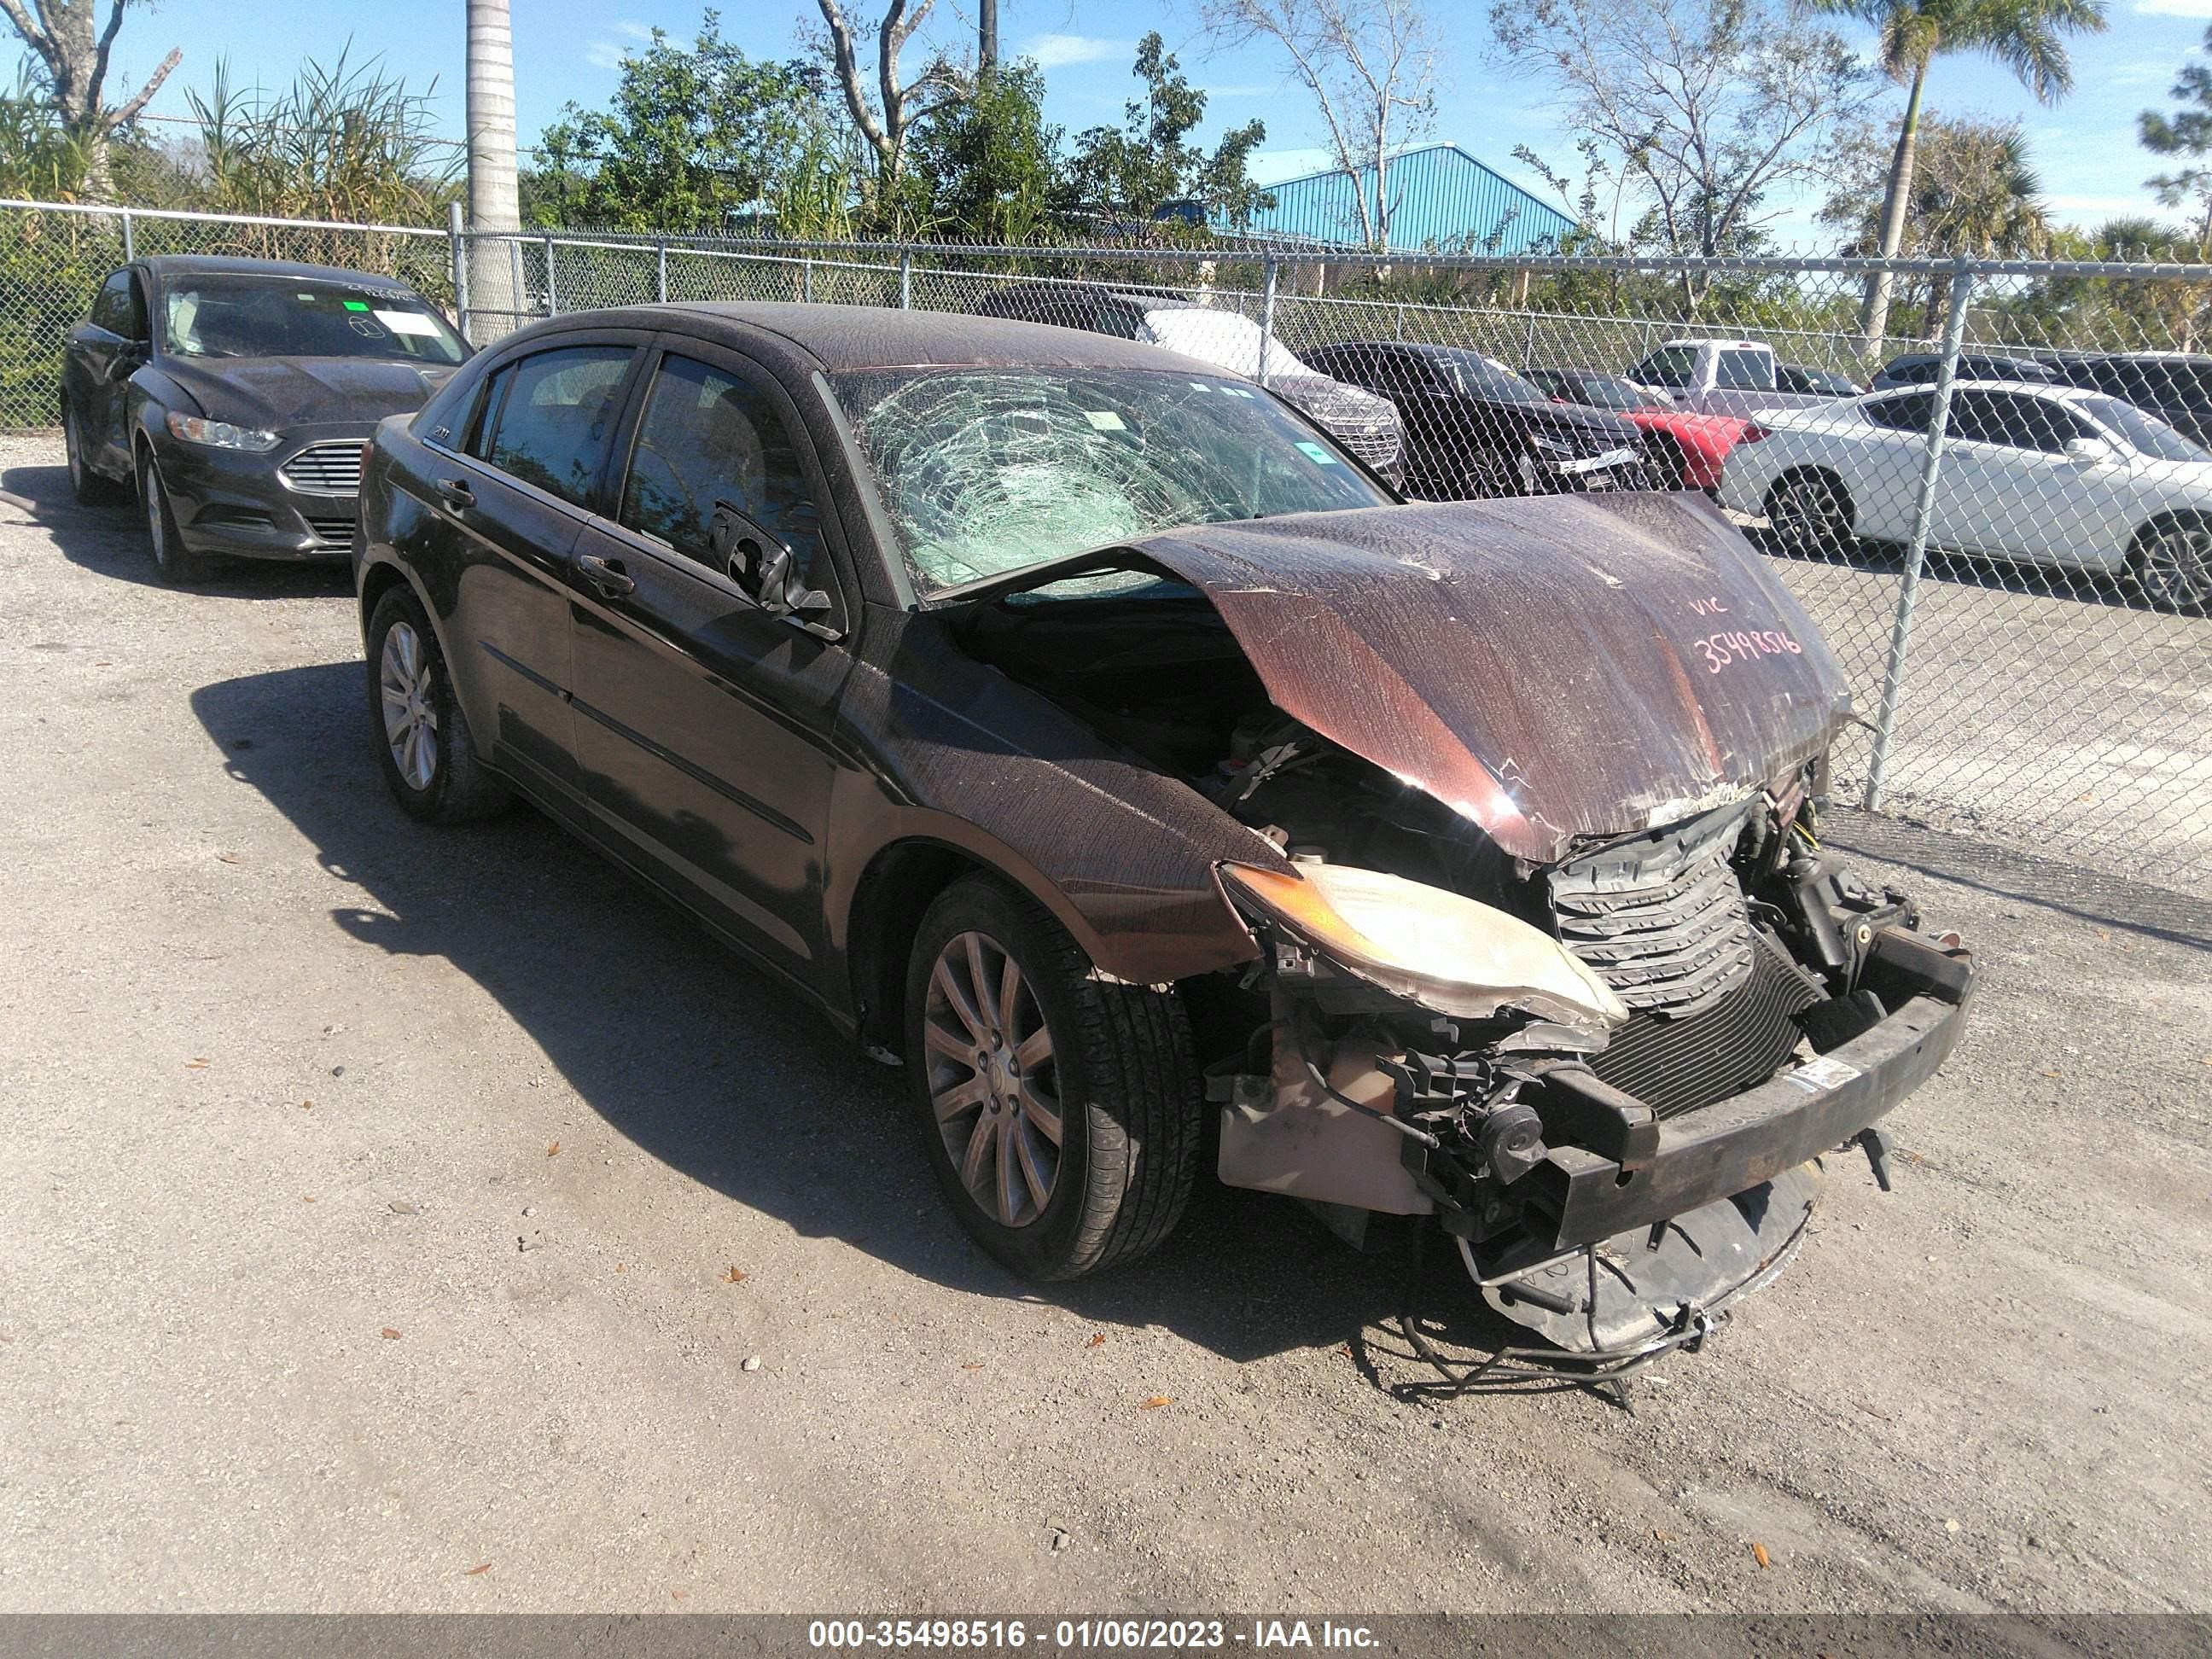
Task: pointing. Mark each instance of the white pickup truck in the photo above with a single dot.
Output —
(1719, 377)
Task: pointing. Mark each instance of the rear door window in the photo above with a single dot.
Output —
(1745, 371)
(549, 417)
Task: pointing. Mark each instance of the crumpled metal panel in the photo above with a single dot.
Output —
(1554, 667)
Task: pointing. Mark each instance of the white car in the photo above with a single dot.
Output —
(2048, 474)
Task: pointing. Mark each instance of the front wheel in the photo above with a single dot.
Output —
(176, 562)
(1061, 1111)
(429, 763)
(1810, 515)
(2172, 568)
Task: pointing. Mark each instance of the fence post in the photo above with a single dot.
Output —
(660, 270)
(552, 289)
(906, 279)
(1916, 552)
(806, 281)
(520, 295)
(458, 248)
(129, 251)
(1267, 316)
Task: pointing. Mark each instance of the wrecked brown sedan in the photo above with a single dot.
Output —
(1082, 728)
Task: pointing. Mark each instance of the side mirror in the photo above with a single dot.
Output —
(2090, 452)
(765, 567)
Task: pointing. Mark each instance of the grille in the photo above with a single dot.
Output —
(1661, 918)
(1678, 1064)
(336, 532)
(326, 470)
(1379, 449)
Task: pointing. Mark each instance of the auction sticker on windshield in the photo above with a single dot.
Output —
(1315, 453)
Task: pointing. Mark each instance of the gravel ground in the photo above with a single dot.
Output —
(393, 1215)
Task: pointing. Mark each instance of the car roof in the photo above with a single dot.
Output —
(839, 337)
(2033, 388)
(165, 265)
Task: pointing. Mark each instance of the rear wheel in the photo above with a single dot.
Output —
(2171, 567)
(1061, 1111)
(175, 561)
(1810, 515)
(430, 763)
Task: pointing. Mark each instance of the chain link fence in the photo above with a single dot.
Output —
(2007, 544)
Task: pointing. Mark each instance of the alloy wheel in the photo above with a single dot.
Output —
(1806, 517)
(2174, 568)
(993, 1079)
(406, 682)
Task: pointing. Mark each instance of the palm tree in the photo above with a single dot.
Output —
(2027, 36)
(494, 203)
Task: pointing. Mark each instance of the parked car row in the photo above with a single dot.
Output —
(1109, 743)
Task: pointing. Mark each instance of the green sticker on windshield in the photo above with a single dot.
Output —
(1316, 454)
(356, 305)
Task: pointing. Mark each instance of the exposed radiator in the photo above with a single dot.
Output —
(1678, 1064)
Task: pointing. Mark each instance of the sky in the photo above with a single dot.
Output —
(2084, 149)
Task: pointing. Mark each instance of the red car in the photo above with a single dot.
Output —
(1689, 447)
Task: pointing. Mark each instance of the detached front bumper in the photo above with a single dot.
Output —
(1657, 1171)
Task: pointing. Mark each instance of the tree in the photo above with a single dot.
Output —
(74, 64)
(988, 165)
(1368, 66)
(1706, 107)
(344, 141)
(693, 137)
(1134, 171)
(2187, 131)
(886, 116)
(2025, 36)
(1975, 190)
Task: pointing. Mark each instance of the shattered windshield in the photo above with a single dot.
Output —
(986, 472)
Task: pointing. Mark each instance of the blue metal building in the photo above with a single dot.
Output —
(1441, 199)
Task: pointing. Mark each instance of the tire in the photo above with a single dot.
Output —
(1810, 515)
(2171, 565)
(1495, 474)
(177, 564)
(1115, 1060)
(423, 742)
(1668, 467)
(89, 489)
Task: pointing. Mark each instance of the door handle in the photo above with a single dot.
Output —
(606, 574)
(457, 492)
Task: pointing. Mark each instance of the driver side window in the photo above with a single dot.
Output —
(708, 438)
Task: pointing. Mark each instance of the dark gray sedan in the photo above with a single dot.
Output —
(233, 397)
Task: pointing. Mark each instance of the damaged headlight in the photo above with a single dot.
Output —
(1433, 947)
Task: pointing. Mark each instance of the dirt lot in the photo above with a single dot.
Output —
(390, 1213)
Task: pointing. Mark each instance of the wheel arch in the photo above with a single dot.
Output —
(904, 877)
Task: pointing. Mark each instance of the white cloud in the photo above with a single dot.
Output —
(604, 54)
(635, 30)
(2175, 8)
(1059, 51)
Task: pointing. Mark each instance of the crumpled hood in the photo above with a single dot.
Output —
(287, 392)
(1336, 405)
(1553, 667)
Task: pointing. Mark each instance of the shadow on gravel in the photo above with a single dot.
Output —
(2105, 900)
(111, 541)
(726, 1077)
